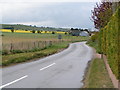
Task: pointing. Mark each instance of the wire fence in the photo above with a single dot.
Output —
(19, 47)
(28, 45)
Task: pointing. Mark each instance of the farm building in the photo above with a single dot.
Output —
(75, 32)
(84, 33)
(79, 32)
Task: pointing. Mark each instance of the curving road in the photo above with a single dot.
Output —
(61, 70)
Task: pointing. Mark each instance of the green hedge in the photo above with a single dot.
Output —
(109, 42)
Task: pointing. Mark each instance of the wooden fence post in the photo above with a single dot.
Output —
(45, 43)
(38, 44)
(28, 46)
(11, 47)
(21, 45)
(34, 44)
(50, 43)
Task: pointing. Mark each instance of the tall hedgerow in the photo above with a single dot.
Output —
(109, 40)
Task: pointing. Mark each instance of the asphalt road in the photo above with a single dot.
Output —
(62, 70)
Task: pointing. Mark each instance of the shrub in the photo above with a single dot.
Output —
(38, 31)
(65, 33)
(53, 32)
(12, 30)
(33, 31)
(94, 38)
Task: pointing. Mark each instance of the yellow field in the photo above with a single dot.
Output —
(22, 31)
(18, 31)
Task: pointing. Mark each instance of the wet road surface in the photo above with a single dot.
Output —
(62, 70)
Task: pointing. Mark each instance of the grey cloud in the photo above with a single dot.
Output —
(62, 14)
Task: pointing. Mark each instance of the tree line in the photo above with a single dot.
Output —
(31, 27)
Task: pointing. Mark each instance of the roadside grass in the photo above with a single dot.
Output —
(23, 57)
(95, 45)
(97, 75)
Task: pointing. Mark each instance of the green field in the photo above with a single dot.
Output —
(23, 42)
(39, 46)
(25, 37)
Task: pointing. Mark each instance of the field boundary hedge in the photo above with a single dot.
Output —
(109, 42)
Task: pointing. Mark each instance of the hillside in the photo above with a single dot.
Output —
(30, 27)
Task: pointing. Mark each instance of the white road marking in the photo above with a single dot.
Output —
(13, 81)
(47, 66)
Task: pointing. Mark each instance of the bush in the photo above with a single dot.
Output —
(53, 32)
(94, 38)
(2, 35)
(12, 30)
(17, 51)
(38, 31)
(33, 31)
(65, 33)
(6, 52)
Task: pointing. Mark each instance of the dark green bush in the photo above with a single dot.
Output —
(65, 33)
(53, 32)
(33, 31)
(17, 51)
(6, 52)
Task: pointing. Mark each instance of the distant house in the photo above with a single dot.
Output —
(79, 32)
(75, 32)
(84, 33)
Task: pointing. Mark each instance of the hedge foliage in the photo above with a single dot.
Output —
(109, 42)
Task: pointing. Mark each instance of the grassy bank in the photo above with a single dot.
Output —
(97, 75)
(94, 45)
(23, 57)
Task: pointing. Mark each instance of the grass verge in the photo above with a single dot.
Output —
(94, 45)
(23, 57)
(97, 75)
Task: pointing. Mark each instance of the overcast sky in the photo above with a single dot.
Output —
(53, 14)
